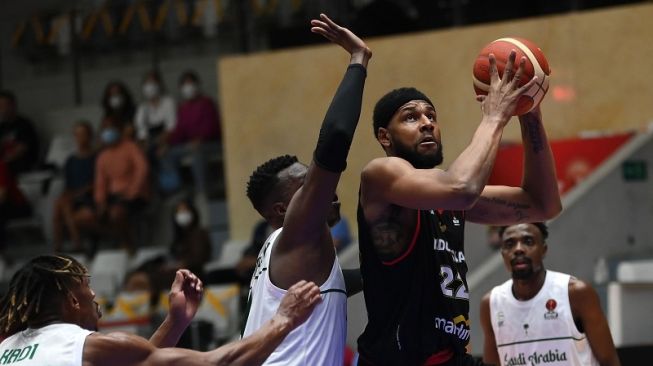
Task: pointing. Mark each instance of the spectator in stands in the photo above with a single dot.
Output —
(540, 313)
(12, 205)
(121, 181)
(19, 144)
(197, 133)
(75, 206)
(191, 246)
(117, 103)
(156, 118)
(190, 249)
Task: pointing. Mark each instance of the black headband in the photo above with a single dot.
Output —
(387, 106)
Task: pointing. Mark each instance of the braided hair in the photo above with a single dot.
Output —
(37, 288)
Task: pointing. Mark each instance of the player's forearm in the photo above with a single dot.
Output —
(470, 171)
(167, 334)
(254, 349)
(340, 121)
(539, 180)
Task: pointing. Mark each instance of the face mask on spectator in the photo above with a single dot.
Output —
(115, 101)
(109, 136)
(188, 90)
(150, 90)
(184, 218)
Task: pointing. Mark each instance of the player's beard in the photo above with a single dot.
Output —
(419, 160)
(524, 274)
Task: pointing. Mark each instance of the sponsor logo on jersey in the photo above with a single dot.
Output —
(443, 246)
(456, 222)
(535, 358)
(500, 319)
(458, 327)
(550, 309)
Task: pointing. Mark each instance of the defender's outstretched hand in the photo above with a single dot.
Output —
(343, 37)
(298, 303)
(185, 296)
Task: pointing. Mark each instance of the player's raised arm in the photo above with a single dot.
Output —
(306, 217)
(407, 184)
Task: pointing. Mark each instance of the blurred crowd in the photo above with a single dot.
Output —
(138, 153)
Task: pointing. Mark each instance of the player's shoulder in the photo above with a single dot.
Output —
(485, 300)
(114, 339)
(580, 290)
(384, 165)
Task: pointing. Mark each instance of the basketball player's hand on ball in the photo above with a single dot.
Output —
(343, 37)
(503, 96)
(298, 303)
(185, 297)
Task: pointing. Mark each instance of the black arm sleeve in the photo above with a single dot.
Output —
(340, 121)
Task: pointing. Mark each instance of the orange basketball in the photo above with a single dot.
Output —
(536, 64)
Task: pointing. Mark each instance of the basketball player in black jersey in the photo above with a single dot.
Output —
(411, 218)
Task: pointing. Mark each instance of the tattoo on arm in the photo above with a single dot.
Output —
(532, 126)
(388, 237)
(519, 209)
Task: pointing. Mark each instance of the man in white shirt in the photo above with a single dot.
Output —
(297, 200)
(542, 316)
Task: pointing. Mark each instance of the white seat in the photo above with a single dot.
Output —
(220, 307)
(231, 253)
(637, 271)
(109, 268)
(61, 147)
(31, 185)
(104, 284)
(145, 254)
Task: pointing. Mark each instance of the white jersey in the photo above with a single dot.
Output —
(539, 331)
(318, 341)
(53, 345)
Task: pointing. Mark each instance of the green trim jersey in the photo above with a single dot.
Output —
(53, 345)
(418, 303)
(539, 331)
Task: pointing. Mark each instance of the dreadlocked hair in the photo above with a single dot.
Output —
(264, 179)
(35, 286)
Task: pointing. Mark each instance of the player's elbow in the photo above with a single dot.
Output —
(230, 357)
(550, 209)
(466, 193)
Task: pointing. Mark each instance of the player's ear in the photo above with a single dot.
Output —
(279, 208)
(383, 135)
(73, 301)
